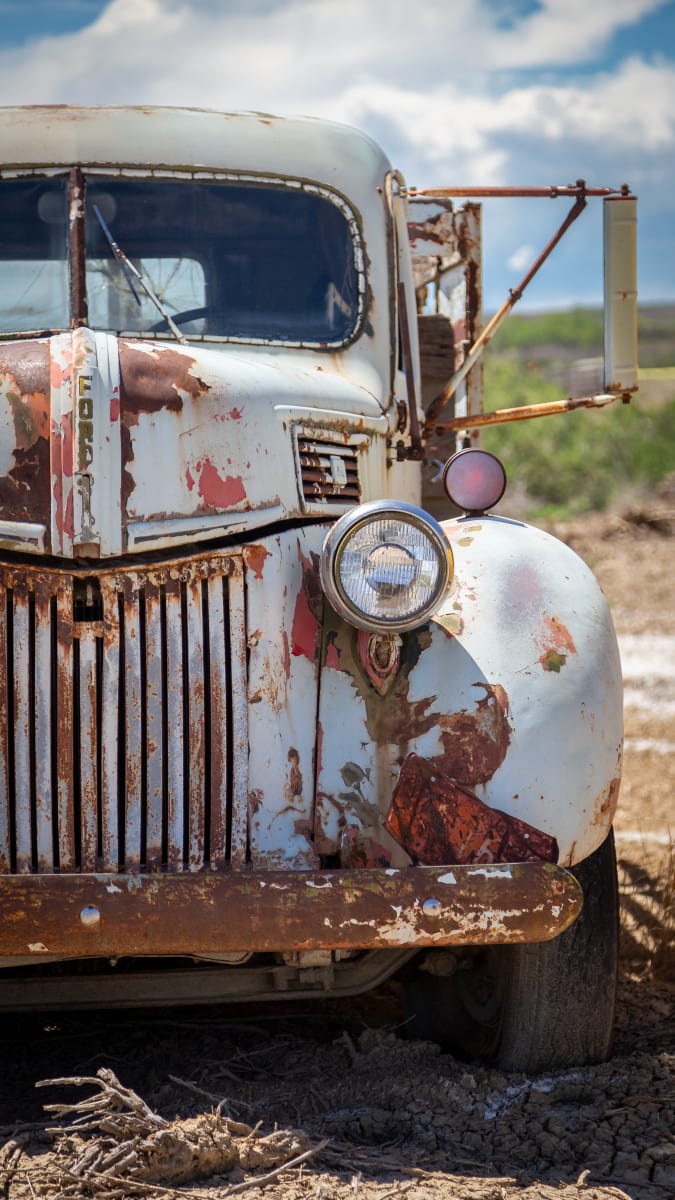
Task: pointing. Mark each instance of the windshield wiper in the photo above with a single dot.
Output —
(131, 272)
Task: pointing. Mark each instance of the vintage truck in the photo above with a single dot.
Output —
(269, 728)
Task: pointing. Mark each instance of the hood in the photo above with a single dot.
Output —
(111, 445)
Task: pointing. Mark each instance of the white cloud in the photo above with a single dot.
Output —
(565, 32)
(437, 84)
(522, 258)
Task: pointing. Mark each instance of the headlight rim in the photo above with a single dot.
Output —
(333, 548)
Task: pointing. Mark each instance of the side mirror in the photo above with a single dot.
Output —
(620, 252)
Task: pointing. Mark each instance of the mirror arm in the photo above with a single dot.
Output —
(439, 402)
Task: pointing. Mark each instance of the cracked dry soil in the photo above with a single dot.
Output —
(370, 1115)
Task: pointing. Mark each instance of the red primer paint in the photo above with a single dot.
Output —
(235, 414)
(307, 607)
(67, 444)
(190, 479)
(333, 657)
(305, 626)
(219, 492)
(69, 518)
(57, 374)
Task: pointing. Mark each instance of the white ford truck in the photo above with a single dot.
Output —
(279, 716)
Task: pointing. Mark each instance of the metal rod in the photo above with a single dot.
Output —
(550, 193)
(78, 285)
(439, 402)
(525, 412)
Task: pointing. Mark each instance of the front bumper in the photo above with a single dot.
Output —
(47, 917)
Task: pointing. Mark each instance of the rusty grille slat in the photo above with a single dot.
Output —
(87, 793)
(43, 733)
(175, 698)
(5, 799)
(155, 717)
(219, 732)
(124, 735)
(64, 721)
(23, 644)
(239, 755)
(198, 849)
(112, 742)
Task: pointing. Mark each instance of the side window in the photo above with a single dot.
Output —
(33, 255)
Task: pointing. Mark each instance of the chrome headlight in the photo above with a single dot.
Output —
(386, 565)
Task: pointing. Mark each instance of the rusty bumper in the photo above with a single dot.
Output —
(81, 916)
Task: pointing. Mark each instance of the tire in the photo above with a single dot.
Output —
(531, 1007)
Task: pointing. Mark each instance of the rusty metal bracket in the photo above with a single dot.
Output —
(202, 913)
(515, 294)
(527, 411)
(415, 450)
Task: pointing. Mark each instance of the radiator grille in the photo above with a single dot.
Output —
(329, 472)
(123, 719)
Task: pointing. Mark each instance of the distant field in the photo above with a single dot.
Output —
(561, 466)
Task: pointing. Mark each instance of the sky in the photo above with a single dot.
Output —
(457, 92)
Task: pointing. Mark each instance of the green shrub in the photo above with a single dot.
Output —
(580, 461)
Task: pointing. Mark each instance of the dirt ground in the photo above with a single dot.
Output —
(335, 1092)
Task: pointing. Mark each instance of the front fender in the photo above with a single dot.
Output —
(513, 691)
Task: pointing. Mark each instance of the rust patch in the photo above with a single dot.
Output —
(605, 811)
(437, 821)
(556, 643)
(152, 381)
(30, 414)
(24, 378)
(475, 743)
(128, 482)
(293, 788)
(27, 365)
(255, 559)
(25, 490)
(287, 654)
(357, 850)
(380, 655)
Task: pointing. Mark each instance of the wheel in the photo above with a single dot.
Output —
(531, 1007)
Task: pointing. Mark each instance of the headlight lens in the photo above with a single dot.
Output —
(386, 565)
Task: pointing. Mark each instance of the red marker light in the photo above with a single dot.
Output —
(474, 480)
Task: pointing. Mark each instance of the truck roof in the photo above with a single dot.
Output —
(189, 139)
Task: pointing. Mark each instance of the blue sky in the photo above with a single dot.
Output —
(457, 92)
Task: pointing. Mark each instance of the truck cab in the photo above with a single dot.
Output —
(269, 727)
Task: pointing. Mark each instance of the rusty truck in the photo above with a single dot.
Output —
(287, 710)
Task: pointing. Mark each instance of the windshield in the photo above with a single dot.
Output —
(223, 259)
